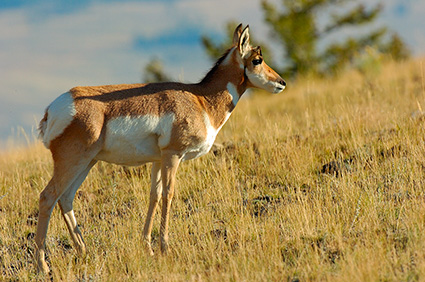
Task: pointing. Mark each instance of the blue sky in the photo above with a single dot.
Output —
(49, 46)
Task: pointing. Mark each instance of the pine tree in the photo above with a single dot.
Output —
(215, 50)
(296, 27)
(396, 48)
(154, 72)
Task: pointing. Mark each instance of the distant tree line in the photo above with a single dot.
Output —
(305, 39)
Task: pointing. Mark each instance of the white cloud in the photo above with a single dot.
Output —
(41, 57)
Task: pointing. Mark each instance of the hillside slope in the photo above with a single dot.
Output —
(322, 182)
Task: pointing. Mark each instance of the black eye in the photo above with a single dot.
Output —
(257, 62)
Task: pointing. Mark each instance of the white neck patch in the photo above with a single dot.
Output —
(233, 93)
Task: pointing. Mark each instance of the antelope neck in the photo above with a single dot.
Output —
(221, 98)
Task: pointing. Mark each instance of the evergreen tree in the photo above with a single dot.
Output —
(396, 48)
(295, 25)
(296, 28)
(215, 50)
(154, 72)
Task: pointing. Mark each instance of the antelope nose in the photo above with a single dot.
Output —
(282, 82)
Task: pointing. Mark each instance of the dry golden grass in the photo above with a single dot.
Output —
(323, 182)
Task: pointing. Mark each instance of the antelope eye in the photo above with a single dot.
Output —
(257, 62)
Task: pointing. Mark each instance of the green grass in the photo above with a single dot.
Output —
(324, 182)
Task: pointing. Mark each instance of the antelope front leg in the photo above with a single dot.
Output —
(155, 196)
(170, 163)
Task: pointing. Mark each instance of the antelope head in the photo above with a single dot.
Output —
(258, 73)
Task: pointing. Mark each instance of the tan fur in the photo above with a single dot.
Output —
(82, 142)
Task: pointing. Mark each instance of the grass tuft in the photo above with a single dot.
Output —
(323, 182)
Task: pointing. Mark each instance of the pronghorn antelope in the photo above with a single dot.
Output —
(162, 123)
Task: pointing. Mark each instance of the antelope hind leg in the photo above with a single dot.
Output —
(66, 206)
(64, 176)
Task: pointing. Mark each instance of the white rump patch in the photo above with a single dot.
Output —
(136, 140)
(60, 114)
(233, 93)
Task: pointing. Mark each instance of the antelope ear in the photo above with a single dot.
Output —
(244, 45)
(237, 35)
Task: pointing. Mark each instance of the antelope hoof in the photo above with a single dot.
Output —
(148, 248)
(42, 267)
(164, 248)
(81, 250)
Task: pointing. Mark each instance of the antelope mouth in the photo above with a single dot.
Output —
(278, 89)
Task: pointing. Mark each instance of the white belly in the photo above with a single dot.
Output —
(136, 140)
(199, 150)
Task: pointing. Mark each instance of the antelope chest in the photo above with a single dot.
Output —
(203, 147)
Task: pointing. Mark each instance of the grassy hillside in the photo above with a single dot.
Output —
(322, 182)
